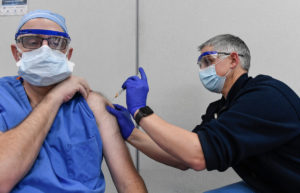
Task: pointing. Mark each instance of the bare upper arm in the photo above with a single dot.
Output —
(97, 102)
(115, 150)
(107, 123)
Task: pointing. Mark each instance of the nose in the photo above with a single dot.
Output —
(45, 42)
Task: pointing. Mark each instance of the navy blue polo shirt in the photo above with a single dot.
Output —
(256, 131)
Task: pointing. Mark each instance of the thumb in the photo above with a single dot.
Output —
(112, 110)
(120, 107)
(143, 74)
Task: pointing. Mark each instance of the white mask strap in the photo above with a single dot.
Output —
(19, 50)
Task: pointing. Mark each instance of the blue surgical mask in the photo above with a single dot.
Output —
(44, 66)
(211, 80)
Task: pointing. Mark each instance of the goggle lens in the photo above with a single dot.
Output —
(207, 60)
(35, 42)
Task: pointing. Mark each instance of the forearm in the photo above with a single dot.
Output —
(145, 144)
(180, 143)
(20, 146)
(124, 174)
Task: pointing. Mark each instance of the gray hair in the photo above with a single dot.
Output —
(230, 43)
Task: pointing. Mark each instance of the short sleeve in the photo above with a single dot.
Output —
(258, 121)
(2, 123)
(14, 103)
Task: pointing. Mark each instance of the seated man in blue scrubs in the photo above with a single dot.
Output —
(52, 138)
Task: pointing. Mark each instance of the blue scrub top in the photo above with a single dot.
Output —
(71, 155)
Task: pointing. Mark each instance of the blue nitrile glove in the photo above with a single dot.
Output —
(136, 91)
(124, 120)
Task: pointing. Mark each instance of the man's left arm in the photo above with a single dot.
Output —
(124, 174)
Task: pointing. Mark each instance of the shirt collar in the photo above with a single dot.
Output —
(236, 87)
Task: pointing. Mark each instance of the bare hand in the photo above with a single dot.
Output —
(65, 90)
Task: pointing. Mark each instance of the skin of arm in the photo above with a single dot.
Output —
(144, 143)
(117, 157)
(179, 143)
(20, 146)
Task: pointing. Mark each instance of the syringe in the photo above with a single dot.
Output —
(119, 93)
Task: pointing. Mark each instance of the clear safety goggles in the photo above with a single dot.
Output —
(31, 39)
(208, 58)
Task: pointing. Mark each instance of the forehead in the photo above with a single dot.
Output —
(207, 48)
(42, 23)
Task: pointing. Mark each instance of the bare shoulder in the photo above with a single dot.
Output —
(98, 101)
(97, 97)
(107, 123)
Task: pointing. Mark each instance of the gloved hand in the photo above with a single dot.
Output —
(124, 120)
(136, 91)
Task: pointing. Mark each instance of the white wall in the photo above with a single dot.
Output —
(171, 31)
(103, 36)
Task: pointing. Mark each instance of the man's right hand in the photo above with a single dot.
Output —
(66, 89)
(136, 91)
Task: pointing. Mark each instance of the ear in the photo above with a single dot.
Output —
(69, 54)
(16, 54)
(235, 60)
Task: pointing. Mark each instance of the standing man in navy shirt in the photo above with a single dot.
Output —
(254, 128)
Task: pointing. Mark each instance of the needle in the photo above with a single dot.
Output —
(119, 93)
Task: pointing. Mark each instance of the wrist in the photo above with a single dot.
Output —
(135, 113)
(54, 98)
(134, 110)
(141, 113)
(130, 137)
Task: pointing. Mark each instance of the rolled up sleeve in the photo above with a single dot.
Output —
(2, 123)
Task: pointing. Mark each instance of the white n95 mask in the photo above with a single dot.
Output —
(44, 66)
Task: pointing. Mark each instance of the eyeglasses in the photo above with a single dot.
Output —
(34, 42)
(208, 58)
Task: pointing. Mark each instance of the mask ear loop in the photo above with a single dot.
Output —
(214, 65)
(20, 52)
(230, 70)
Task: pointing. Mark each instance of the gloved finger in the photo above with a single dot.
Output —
(120, 107)
(143, 74)
(128, 79)
(127, 83)
(124, 85)
(112, 110)
(135, 78)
